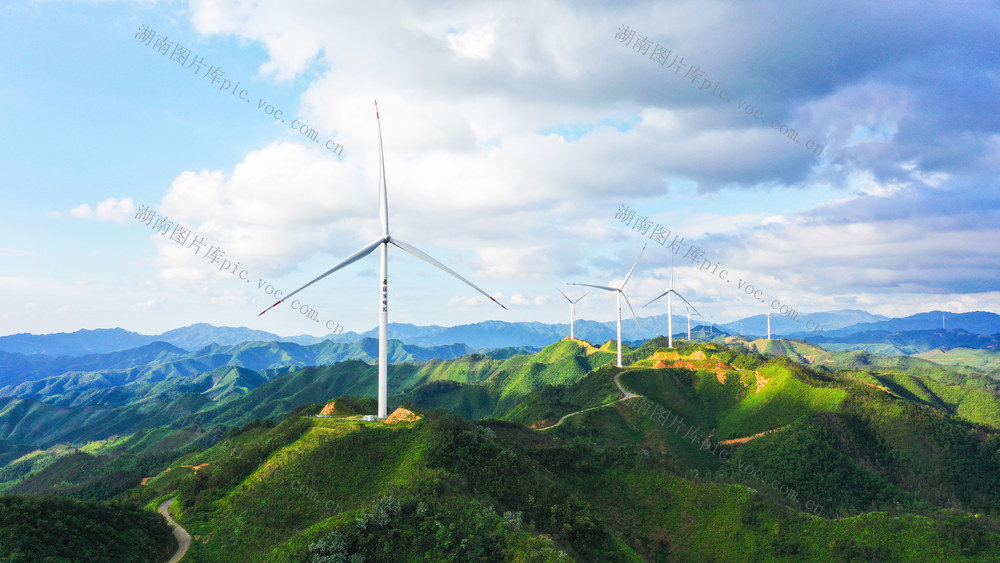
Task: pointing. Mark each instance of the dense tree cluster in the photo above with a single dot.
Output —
(54, 528)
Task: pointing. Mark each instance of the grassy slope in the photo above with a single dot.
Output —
(488, 387)
(781, 400)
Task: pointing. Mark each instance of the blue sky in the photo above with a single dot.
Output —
(513, 133)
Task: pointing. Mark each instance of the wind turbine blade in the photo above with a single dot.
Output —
(672, 270)
(423, 256)
(690, 308)
(383, 198)
(627, 276)
(658, 296)
(349, 260)
(634, 317)
(581, 297)
(686, 301)
(604, 287)
(564, 295)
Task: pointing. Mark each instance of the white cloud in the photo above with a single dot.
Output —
(512, 134)
(111, 209)
(282, 204)
(476, 43)
(147, 305)
(519, 300)
(463, 302)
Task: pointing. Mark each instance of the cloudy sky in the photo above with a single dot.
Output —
(832, 155)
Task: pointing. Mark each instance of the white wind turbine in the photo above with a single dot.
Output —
(670, 292)
(383, 241)
(621, 294)
(689, 320)
(572, 311)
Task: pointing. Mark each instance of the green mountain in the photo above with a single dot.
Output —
(133, 373)
(443, 488)
(983, 360)
(16, 368)
(762, 450)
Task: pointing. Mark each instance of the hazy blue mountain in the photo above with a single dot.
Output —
(17, 368)
(104, 340)
(884, 342)
(199, 335)
(486, 334)
(74, 343)
(804, 325)
(492, 334)
(978, 322)
(134, 374)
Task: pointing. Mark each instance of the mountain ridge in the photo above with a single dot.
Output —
(493, 333)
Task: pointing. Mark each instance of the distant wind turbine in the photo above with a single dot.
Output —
(689, 321)
(621, 294)
(768, 324)
(572, 311)
(383, 241)
(670, 292)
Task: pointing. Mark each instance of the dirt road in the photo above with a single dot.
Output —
(183, 538)
(627, 396)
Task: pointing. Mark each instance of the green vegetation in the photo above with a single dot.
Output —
(58, 529)
(763, 451)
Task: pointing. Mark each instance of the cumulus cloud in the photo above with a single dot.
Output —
(519, 300)
(282, 204)
(514, 133)
(464, 302)
(111, 209)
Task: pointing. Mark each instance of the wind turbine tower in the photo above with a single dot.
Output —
(689, 321)
(621, 295)
(572, 311)
(383, 242)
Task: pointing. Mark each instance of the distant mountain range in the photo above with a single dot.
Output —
(907, 342)
(118, 377)
(103, 340)
(978, 322)
(837, 327)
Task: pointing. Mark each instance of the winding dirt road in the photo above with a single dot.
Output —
(183, 538)
(628, 395)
